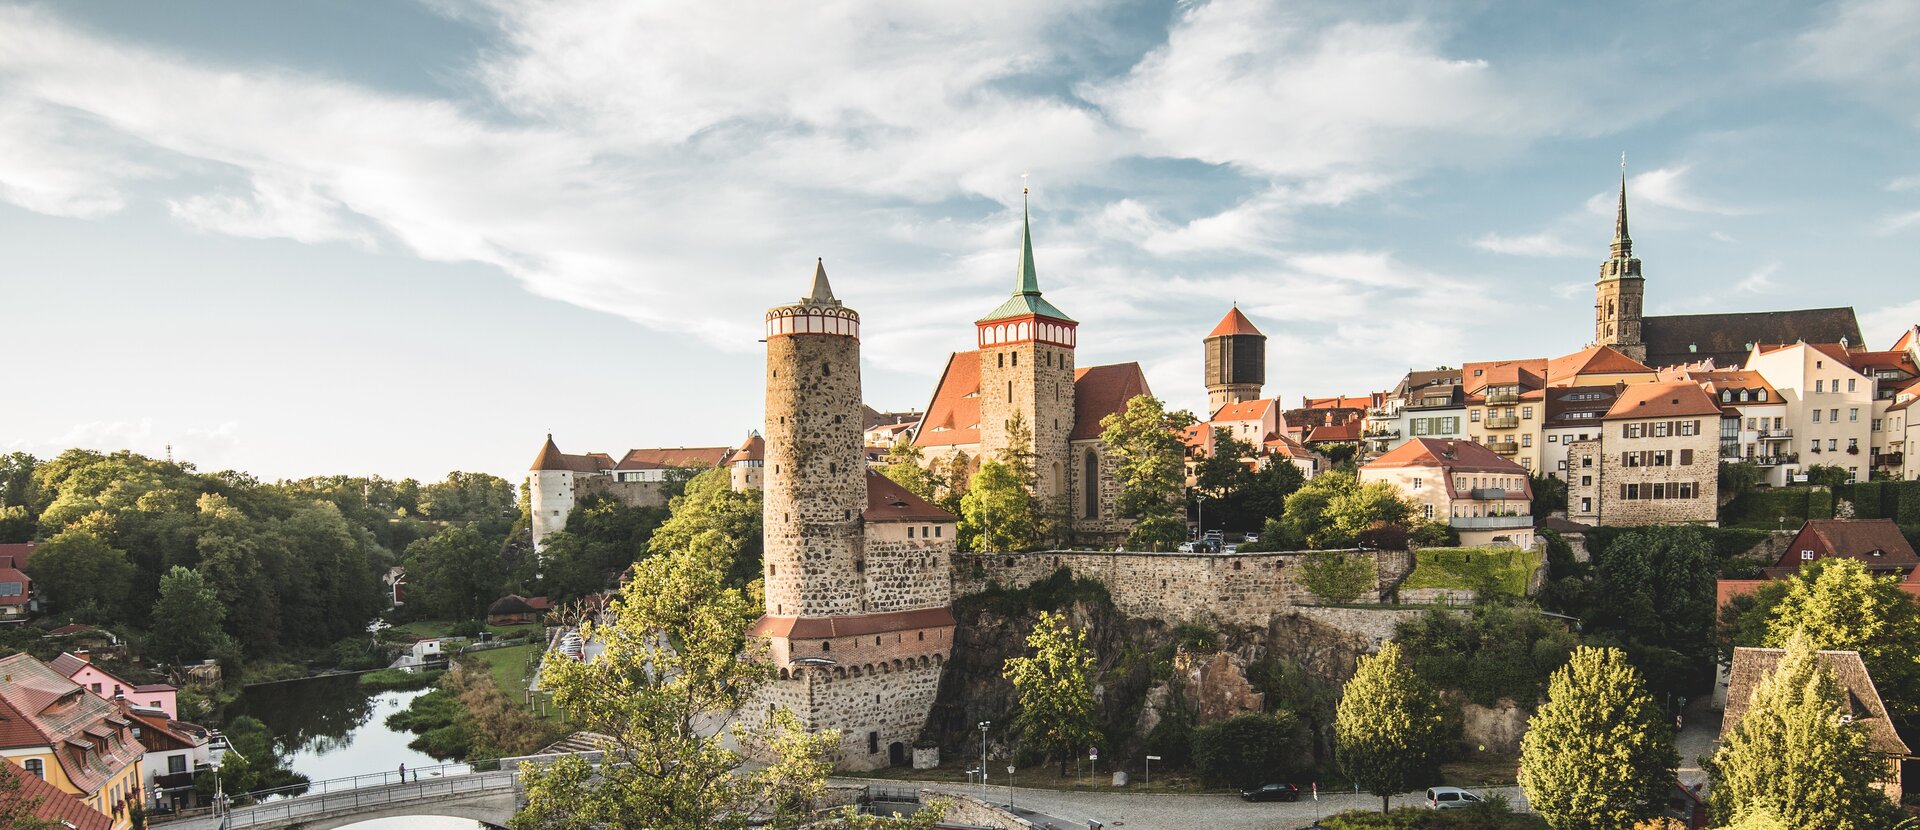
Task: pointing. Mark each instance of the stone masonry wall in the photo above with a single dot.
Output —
(1703, 473)
(872, 711)
(904, 574)
(1238, 589)
(1105, 526)
(1040, 379)
(815, 486)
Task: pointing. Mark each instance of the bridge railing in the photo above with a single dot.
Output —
(275, 812)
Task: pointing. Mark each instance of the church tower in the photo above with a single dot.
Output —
(1026, 368)
(1236, 361)
(1618, 294)
(815, 467)
(858, 622)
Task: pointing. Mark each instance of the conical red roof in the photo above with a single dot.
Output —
(550, 457)
(1234, 323)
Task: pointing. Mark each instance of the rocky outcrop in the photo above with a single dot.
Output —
(1216, 685)
(1493, 729)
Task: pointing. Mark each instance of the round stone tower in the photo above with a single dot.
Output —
(1236, 361)
(815, 468)
(550, 496)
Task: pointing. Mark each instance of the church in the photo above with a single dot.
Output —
(1025, 367)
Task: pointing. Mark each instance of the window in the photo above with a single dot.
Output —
(1474, 416)
(1690, 427)
(1686, 457)
(1553, 439)
(36, 768)
(1816, 416)
(1833, 444)
(1526, 412)
(909, 531)
(1834, 414)
(1806, 556)
(1417, 483)
(176, 764)
(1660, 430)
(1853, 414)
(1090, 487)
(1853, 445)
(1876, 425)
(1586, 461)
(1426, 510)
(1819, 386)
(1526, 440)
(1586, 505)
(1586, 481)
(1850, 382)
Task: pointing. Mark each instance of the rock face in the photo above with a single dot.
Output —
(1216, 685)
(1498, 729)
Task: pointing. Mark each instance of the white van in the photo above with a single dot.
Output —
(1447, 798)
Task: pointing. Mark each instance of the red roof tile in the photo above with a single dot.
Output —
(15, 554)
(1234, 323)
(1245, 410)
(1099, 391)
(665, 457)
(1450, 454)
(54, 804)
(1864, 362)
(1593, 360)
(39, 707)
(1662, 400)
(1527, 374)
(752, 449)
(1349, 431)
(887, 501)
(953, 416)
(15, 575)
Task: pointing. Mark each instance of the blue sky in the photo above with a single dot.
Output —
(405, 238)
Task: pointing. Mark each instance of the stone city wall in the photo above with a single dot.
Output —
(903, 574)
(969, 811)
(1237, 589)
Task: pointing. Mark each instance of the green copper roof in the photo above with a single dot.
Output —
(1026, 297)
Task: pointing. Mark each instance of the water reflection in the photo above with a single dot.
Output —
(329, 727)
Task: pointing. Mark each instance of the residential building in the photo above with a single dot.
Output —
(16, 594)
(514, 609)
(1725, 339)
(1761, 433)
(1481, 494)
(1425, 404)
(641, 478)
(15, 554)
(1829, 404)
(1877, 544)
(1235, 360)
(1890, 372)
(748, 466)
(1025, 366)
(54, 804)
(1573, 413)
(1256, 422)
(1903, 431)
(1506, 408)
(175, 750)
(1861, 704)
(1657, 460)
(79, 667)
(56, 731)
(1598, 366)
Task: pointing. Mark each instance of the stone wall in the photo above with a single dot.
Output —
(1703, 473)
(815, 470)
(1103, 525)
(1235, 589)
(880, 713)
(902, 574)
(629, 493)
(969, 811)
(1374, 624)
(1039, 377)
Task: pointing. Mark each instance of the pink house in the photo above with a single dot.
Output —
(80, 669)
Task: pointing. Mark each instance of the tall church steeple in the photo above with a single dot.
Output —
(1027, 372)
(1619, 294)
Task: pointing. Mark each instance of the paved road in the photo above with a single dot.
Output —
(1697, 734)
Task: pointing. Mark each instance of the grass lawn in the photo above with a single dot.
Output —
(512, 666)
(1461, 568)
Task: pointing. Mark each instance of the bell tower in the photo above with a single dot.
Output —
(1236, 364)
(1026, 368)
(1621, 289)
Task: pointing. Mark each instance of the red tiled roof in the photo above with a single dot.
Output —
(1234, 323)
(1662, 400)
(953, 417)
(664, 457)
(1593, 360)
(54, 804)
(1245, 410)
(39, 707)
(1726, 589)
(1856, 539)
(71, 629)
(15, 554)
(1349, 431)
(1284, 446)
(1449, 454)
(1736, 379)
(827, 628)
(551, 458)
(1340, 402)
(1099, 391)
(887, 501)
(752, 449)
(1527, 374)
(1863, 362)
(69, 665)
(15, 575)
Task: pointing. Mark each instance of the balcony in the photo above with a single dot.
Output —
(1499, 398)
(1505, 447)
(1380, 412)
(1490, 522)
(1891, 459)
(1382, 431)
(1502, 421)
(1776, 435)
(1775, 460)
(1494, 494)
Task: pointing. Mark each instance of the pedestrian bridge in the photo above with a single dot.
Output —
(486, 797)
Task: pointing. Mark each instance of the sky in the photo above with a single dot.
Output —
(404, 238)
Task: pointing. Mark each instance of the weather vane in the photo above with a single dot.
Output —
(1023, 182)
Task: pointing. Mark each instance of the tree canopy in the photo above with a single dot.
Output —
(996, 514)
(1145, 440)
(1055, 688)
(1388, 727)
(1597, 755)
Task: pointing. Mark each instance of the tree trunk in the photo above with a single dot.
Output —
(1383, 802)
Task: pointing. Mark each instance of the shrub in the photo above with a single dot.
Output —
(1197, 638)
(1245, 751)
(398, 680)
(470, 629)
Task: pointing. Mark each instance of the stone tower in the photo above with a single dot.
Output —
(1236, 361)
(858, 582)
(1618, 294)
(815, 484)
(550, 496)
(1026, 368)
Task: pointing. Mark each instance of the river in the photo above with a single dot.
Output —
(330, 728)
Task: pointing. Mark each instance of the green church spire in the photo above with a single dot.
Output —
(1026, 297)
(1029, 281)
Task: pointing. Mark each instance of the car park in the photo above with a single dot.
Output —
(1272, 792)
(1447, 798)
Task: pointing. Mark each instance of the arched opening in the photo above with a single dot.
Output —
(897, 754)
(1057, 479)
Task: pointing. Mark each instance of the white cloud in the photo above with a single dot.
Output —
(1666, 187)
(277, 208)
(1881, 325)
(1897, 222)
(1760, 280)
(208, 447)
(1537, 244)
(1904, 183)
(1868, 48)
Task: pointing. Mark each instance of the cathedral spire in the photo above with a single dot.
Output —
(1622, 243)
(1029, 281)
(822, 293)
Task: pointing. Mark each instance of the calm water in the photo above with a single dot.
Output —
(330, 728)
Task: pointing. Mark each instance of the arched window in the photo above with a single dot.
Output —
(1090, 485)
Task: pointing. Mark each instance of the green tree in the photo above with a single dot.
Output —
(18, 494)
(186, 618)
(1246, 751)
(469, 496)
(996, 514)
(83, 576)
(711, 505)
(1549, 495)
(1597, 755)
(1145, 440)
(1388, 725)
(1793, 754)
(1338, 577)
(1055, 688)
(1266, 495)
(1332, 509)
(454, 574)
(906, 465)
(950, 475)
(1827, 475)
(1659, 584)
(1838, 604)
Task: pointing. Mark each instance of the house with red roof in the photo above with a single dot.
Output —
(50, 803)
(175, 751)
(1891, 372)
(1506, 403)
(746, 468)
(1481, 494)
(1025, 371)
(79, 667)
(16, 594)
(1877, 544)
(59, 733)
(640, 478)
(1656, 460)
(1830, 405)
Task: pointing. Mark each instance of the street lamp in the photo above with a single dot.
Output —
(1010, 789)
(983, 759)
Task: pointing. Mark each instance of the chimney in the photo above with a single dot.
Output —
(84, 655)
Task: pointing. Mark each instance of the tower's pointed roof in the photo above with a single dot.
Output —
(550, 457)
(1235, 323)
(822, 293)
(1026, 297)
(1622, 241)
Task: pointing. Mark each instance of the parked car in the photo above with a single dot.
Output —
(1272, 792)
(1447, 798)
(1196, 546)
(1251, 537)
(1229, 548)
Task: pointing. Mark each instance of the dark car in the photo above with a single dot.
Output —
(1272, 792)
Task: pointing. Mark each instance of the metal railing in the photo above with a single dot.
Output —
(1502, 421)
(1490, 522)
(1496, 398)
(1492, 494)
(1775, 434)
(313, 806)
(1505, 447)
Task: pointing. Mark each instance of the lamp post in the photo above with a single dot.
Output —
(983, 759)
(1010, 789)
(1150, 760)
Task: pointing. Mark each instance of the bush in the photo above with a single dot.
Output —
(398, 680)
(1197, 639)
(470, 629)
(1338, 577)
(1493, 814)
(1246, 751)
(1435, 535)
(433, 710)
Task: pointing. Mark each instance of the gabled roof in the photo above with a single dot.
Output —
(752, 449)
(39, 707)
(953, 416)
(1593, 360)
(1662, 400)
(1877, 543)
(1449, 454)
(1564, 400)
(1734, 380)
(15, 575)
(1233, 324)
(1339, 402)
(1751, 666)
(1349, 431)
(1728, 338)
(1245, 410)
(15, 555)
(1898, 360)
(513, 604)
(1283, 445)
(887, 501)
(1099, 391)
(1527, 374)
(657, 458)
(551, 458)
(55, 804)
